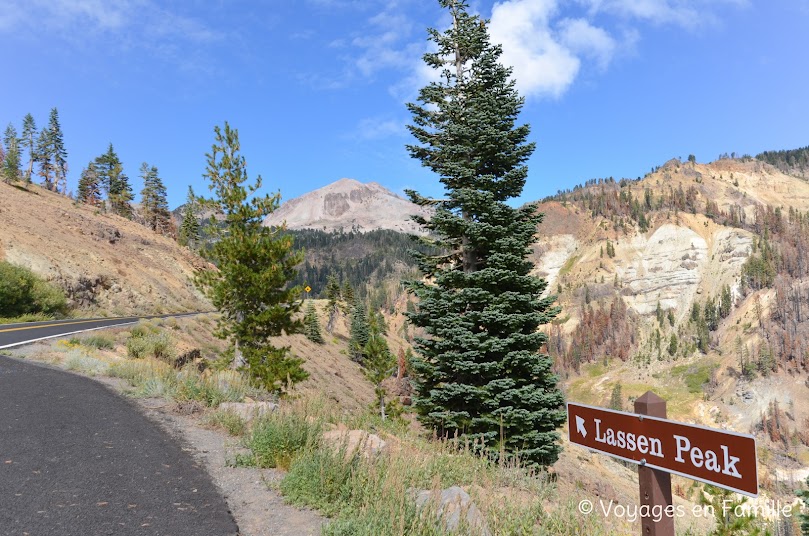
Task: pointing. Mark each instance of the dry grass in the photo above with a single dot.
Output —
(374, 495)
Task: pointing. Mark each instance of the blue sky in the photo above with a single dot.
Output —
(317, 88)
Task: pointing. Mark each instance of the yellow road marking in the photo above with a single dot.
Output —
(54, 325)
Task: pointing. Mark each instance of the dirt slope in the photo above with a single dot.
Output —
(105, 263)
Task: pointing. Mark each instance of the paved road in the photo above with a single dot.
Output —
(16, 334)
(77, 459)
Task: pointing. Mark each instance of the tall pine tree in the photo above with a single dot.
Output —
(28, 141)
(153, 201)
(255, 265)
(44, 159)
(57, 151)
(480, 372)
(189, 228)
(311, 324)
(110, 172)
(11, 161)
(359, 331)
(89, 191)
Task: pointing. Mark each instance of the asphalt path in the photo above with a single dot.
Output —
(17, 334)
(77, 459)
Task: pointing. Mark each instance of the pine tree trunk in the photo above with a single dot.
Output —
(332, 318)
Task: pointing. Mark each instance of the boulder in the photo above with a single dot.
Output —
(451, 506)
(249, 411)
(353, 441)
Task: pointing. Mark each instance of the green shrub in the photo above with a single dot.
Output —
(276, 439)
(78, 361)
(157, 345)
(23, 292)
(100, 342)
(323, 479)
(228, 421)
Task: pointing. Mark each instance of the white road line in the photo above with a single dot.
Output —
(29, 341)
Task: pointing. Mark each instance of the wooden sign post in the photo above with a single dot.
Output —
(660, 447)
(654, 484)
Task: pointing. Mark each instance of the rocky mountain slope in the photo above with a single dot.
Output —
(348, 204)
(638, 266)
(106, 264)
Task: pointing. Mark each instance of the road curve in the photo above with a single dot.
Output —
(16, 334)
(77, 459)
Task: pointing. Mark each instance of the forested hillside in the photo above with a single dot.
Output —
(792, 161)
(361, 259)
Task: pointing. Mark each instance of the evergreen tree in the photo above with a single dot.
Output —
(348, 295)
(110, 172)
(359, 332)
(44, 158)
(153, 201)
(711, 314)
(89, 190)
(311, 324)
(28, 141)
(480, 373)
(379, 361)
(725, 302)
(57, 151)
(190, 228)
(11, 161)
(255, 264)
(673, 344)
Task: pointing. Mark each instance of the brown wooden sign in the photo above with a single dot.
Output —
(719, 457)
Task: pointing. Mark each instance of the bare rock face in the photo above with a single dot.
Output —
(348, 204)
(553, 252)
(663, 268)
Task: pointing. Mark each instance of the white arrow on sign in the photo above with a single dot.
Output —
(580, 426)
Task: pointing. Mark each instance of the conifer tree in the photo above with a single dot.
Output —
(190, 228)
(153, 201)
(379, 361)
(57, 151)
(359, 331)
(11, 160)
(311, 324)
(348, 296)
(255, 265)
(110, 172)
(44, 159)
(803, 517)
(480, 372)
(28, 141)
(89, 190)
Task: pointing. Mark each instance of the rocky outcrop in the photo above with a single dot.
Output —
(665, 268)
(552, 253)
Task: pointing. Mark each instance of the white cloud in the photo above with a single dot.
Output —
(546, 55)
(374, 128)
(122, 21)
(582, 38)
(686, 13)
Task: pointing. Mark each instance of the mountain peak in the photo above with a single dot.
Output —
(348, 204)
